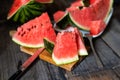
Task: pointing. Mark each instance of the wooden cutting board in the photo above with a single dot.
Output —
(47, 57)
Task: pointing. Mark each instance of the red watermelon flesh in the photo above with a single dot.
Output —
(92, 1)
(96, 27)
(87, 16)
(80, 43)
(65, 50)
(81, 17)
(44, 1)
(17, 4)
(31, 34)
(58, 15)
(98, 9)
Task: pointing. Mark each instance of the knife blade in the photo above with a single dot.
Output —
(25, 65)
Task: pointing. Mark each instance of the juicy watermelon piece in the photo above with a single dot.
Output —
(32, 33)
(24, 10)
(96, 27)
(65, 50)
(108, 6)
(61, 19)
(59, 15)
(45, 1)
(92, 1)
(81, 17)
(16, 6)
(95, 14)
(80, 43)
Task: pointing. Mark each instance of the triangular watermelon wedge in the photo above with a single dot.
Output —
(32, 33)
(93, 17)
(65, 50)
(80, 43)
(22, 11)
(17, 4)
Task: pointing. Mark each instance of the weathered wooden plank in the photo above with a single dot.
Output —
(106, 54)
(88, 66)
(102, 75)
(111, 37)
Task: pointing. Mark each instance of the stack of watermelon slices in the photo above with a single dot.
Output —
(89, 18)
(66, 46)
(69, 45)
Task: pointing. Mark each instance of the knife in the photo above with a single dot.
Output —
(25, 65)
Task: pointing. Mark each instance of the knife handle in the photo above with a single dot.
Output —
(16, 75)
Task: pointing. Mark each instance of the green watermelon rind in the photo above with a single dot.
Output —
(62, 24)
(73, 22)
(110, 8)
(9, 17)
(64, 61)
(29, 11)
(27, 45)
(49, 45)
(66, 13)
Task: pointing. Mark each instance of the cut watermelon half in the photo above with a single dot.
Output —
(65, 50)
(32, 33)
(92, 18)
(23, 10)
(45, 1)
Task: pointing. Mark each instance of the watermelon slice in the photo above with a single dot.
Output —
(16, 6)
(61, 19)
(80, 43)
(24, 10)
(59, 15)
(32, 33)
(81, 17)
(96, 27)
(96, 13)
(45, 1)
(65, 50)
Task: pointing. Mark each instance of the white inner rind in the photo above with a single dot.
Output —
(28, 45)
(64, 60)
(83, 52)
(76, 23)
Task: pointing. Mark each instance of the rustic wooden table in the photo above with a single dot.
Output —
(107, 46)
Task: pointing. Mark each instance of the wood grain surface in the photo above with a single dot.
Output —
(46, 56)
